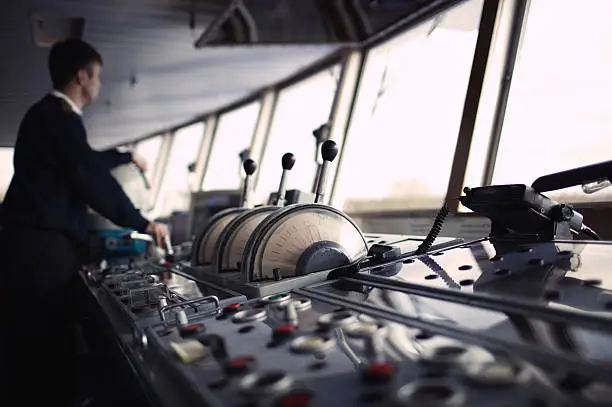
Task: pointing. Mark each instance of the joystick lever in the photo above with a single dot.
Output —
(329, 151)
(321, 135)
(168, 249)
(288, 162)
(249, 169)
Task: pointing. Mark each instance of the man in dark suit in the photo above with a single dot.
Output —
(44, 218)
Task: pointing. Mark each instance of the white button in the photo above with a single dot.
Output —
(249, 315)
(266, 383)
(337, 319)
(312, 344)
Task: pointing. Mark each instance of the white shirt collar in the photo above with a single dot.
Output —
(73, 105)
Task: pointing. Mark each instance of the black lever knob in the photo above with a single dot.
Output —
(321, 133)
(288, 161)
(329, 150)
(249, 166)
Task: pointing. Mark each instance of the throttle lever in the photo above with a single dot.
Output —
(249, 167)
(288, 162)
(169, 250)
(329, 151)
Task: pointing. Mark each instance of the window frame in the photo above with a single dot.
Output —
(492, 16)
(209, 145)
(283, 86)
(488, 23)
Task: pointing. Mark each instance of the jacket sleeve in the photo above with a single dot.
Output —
(91, 176)
(113, 158)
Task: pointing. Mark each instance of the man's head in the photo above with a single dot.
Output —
(75, 68)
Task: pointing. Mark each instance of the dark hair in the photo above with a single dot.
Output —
(69, 56)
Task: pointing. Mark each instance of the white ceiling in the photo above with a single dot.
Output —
(150, 39)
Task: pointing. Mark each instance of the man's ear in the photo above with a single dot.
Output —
(82, 76)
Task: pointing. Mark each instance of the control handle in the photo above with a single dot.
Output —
(329, 151)
(249, 167)
(287, 162)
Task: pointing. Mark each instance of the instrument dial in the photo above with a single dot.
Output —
(205, 247)
(235, 243)
(302, 239)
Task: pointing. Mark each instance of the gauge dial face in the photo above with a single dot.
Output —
(234, 249)
(209, 241)
(282, 245)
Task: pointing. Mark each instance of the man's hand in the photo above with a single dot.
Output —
(159, 232)
(139, 161)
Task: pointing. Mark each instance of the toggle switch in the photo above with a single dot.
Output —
(181, 317)
(290, 314)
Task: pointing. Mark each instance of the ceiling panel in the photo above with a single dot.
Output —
(151, 41)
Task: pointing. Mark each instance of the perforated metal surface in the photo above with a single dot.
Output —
(338, 360)
(484, 324)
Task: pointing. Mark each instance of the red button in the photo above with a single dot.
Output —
(191, 329)
(240, 364)
(297, 399)
(167, 264)
(283, 331)
(233, 307)
(378, 373)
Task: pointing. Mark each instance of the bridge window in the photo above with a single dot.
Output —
(175, 190)
(6, 170)
(559, 109)
(234, 134)
(403, 133)
(300, 109)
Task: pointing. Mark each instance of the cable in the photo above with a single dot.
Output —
(590, 232)
(436, 228)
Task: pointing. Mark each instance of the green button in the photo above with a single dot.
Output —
(278, 297)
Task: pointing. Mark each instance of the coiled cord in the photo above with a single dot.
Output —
(434, 231)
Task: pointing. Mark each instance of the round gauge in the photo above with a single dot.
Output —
(204, 246)
(299, 240)
(234, 237)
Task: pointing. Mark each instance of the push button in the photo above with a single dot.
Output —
(276, 299)
(312, 344)
(232, 307)
(249, 315)
(378, 373)
(298, 398)
(191, 329)
(342, 319)
(282, 332)
(189, 351)
(240, 365)
(266, 383)
(229, 310)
